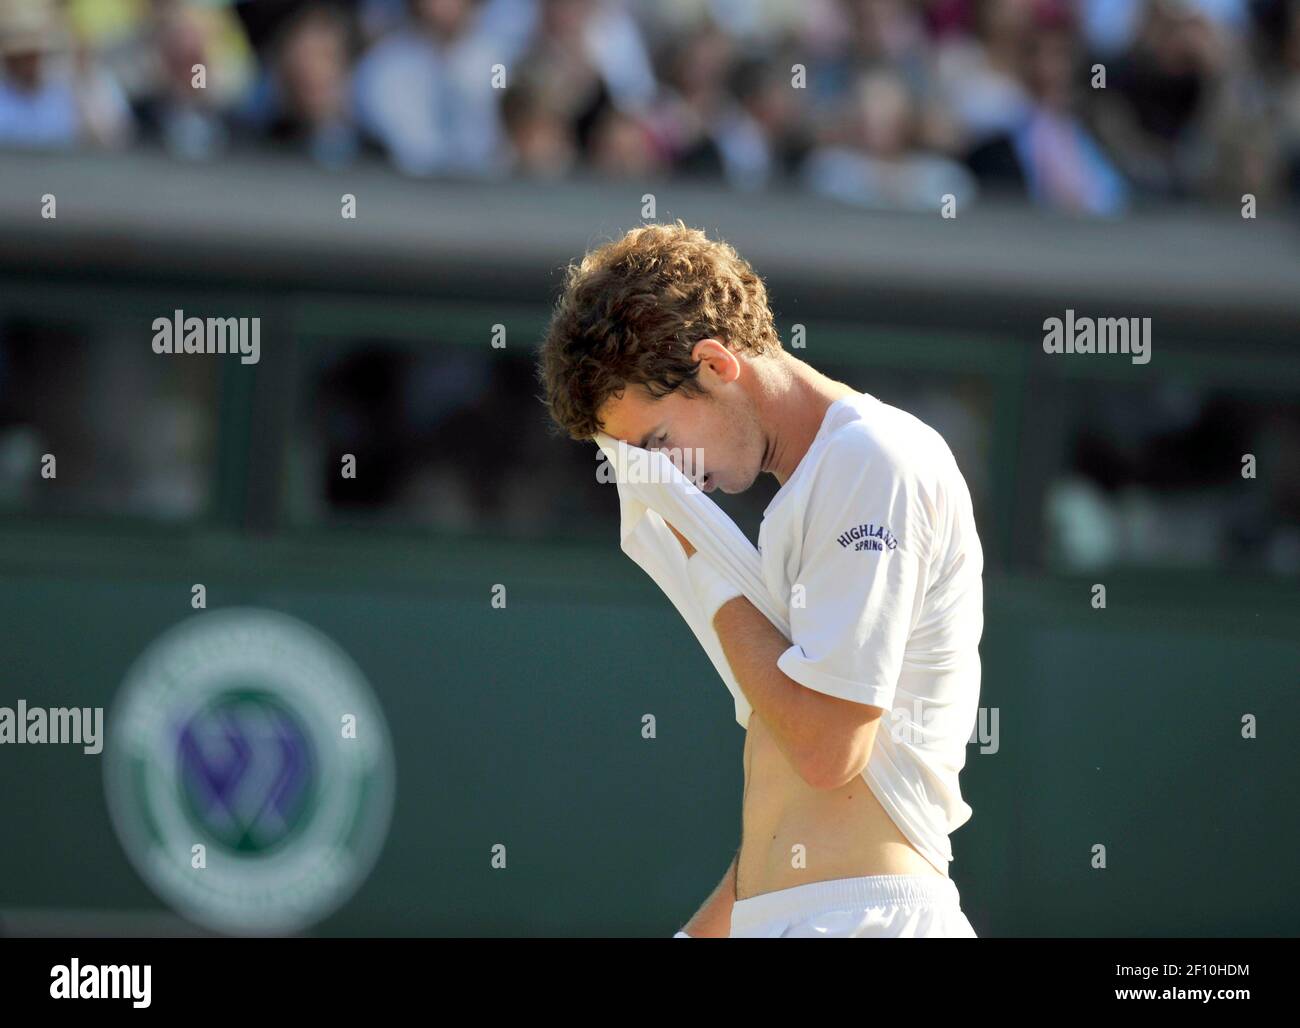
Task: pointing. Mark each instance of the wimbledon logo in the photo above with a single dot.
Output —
(249, 771)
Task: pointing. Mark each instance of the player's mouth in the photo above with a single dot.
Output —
(706, 483)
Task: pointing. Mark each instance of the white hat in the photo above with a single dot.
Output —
(29, 26)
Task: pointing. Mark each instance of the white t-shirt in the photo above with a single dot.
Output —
(872, 539)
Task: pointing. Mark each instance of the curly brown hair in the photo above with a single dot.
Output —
(631, 312)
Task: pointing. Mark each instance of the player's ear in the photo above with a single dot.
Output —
(715, 355)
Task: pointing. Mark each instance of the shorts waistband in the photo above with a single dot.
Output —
(801, 901)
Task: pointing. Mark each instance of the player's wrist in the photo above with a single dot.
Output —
(682, 935)
(711, 587)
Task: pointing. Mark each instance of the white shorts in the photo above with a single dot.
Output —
(877, 906)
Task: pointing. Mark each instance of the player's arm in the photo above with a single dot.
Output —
(752, 646)
(713, 919)
(827, 740)
(822, 692)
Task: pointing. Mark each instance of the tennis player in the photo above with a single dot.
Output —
(664, 339)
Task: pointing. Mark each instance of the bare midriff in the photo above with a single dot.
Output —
(844, 832)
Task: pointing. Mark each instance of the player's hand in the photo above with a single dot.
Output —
(682, 539)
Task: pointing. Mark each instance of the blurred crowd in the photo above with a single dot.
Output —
(1084, 106)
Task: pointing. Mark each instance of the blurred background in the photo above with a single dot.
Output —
(201, 156)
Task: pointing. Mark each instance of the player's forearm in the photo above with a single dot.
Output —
(752, 646)
(713, 919)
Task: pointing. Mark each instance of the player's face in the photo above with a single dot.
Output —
(715, 438)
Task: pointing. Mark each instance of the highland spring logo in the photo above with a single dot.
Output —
(179, 334)
(1098, 335)
(868, 537)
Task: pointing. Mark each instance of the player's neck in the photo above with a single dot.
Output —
(791, 413)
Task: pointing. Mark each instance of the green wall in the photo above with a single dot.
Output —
(522, 726)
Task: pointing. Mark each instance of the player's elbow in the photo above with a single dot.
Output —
(838, 741)
(817, 778)
(830, 766)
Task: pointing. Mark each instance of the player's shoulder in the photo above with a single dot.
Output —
(872, 438)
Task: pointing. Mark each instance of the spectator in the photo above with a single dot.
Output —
(881, 165)
(587, 56)
(48, 99)
(183, 104)
(728, 117)
(621, 147)
(1062, 163)
(688, 115)
(425, 92)
(560, 69)
(872, 34)
(1158, 96)
(311, 105)
(760, 134)
(850, 97)
(981, 74)
(541, 139)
